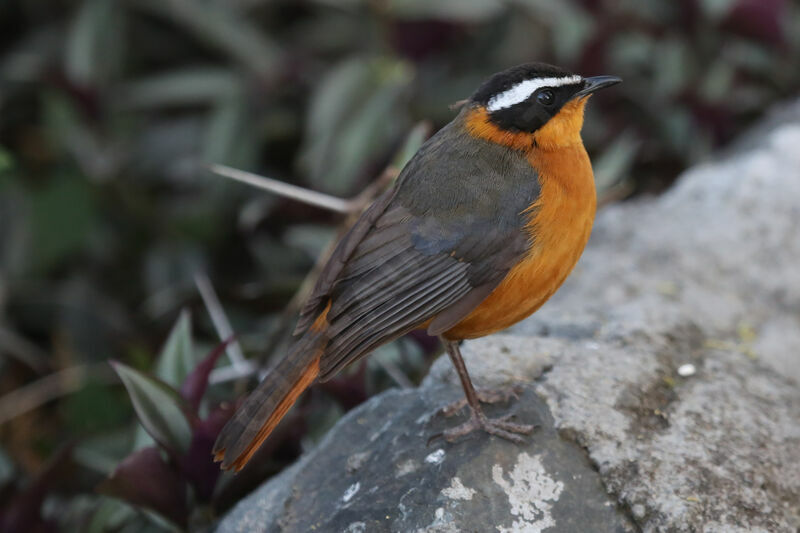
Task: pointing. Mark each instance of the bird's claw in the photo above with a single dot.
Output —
(500, 427)
(492, 396)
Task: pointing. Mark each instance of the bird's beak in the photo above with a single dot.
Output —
(595, 84)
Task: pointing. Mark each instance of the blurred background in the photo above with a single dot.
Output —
(117, 243)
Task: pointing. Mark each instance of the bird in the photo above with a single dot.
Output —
(482, 226)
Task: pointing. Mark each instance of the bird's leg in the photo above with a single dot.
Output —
(484, 396)
(478, 420)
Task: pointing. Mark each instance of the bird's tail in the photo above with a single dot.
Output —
(266, 406)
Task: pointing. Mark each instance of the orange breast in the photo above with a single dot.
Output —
(560, 223)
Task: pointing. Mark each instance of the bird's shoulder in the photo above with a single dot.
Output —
(463, 176)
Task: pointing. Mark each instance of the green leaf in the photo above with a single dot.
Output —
(311, 238)
(330, 106)
(63, 215)
(671, 63)
(93, 47)
(371, 129)
(718, 82)
(101, 452)
(15, 223)
(457, 10)
(225, 127)
(177, 357)
(6, 468)
(631, 51)
(614, 164)
(570, 26)
(94, 407)
(110, 515)
(117, 516)
(717, 10)
(158, 407)
(220, 25)
(354, 116)
(6, 159)
(141, 438)
(62, 120)
(184, 87)
(393, 363)
(414, 140)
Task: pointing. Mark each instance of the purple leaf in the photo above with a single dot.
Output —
(194, 386)
(22, 511)
(430, 345)
(761, 20)
(419, 39)
(144, 479)
(198, 465)
(349, 388)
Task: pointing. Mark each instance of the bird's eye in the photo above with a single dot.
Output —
(545, 97)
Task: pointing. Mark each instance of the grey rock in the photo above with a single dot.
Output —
(375, 471)
(706, 275)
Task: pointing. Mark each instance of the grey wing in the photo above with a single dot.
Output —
(328, 277)
(390, 286)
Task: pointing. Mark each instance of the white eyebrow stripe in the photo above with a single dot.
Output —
(524, 89)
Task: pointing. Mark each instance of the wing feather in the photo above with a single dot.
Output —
(386, 325)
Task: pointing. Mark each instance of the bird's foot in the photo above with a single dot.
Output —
(504, 394)
(495, 426)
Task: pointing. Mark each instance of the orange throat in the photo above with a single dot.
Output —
(561, 131)
(559, 221)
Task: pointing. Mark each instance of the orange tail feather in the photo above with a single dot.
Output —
(268, 404)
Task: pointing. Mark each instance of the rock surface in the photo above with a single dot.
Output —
(664, 376)
(375, 473)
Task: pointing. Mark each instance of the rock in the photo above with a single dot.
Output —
(704, 279)
(374, 472)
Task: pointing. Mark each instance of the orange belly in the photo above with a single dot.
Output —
(560, 224)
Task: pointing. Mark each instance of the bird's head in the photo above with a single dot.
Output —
(534, 103)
